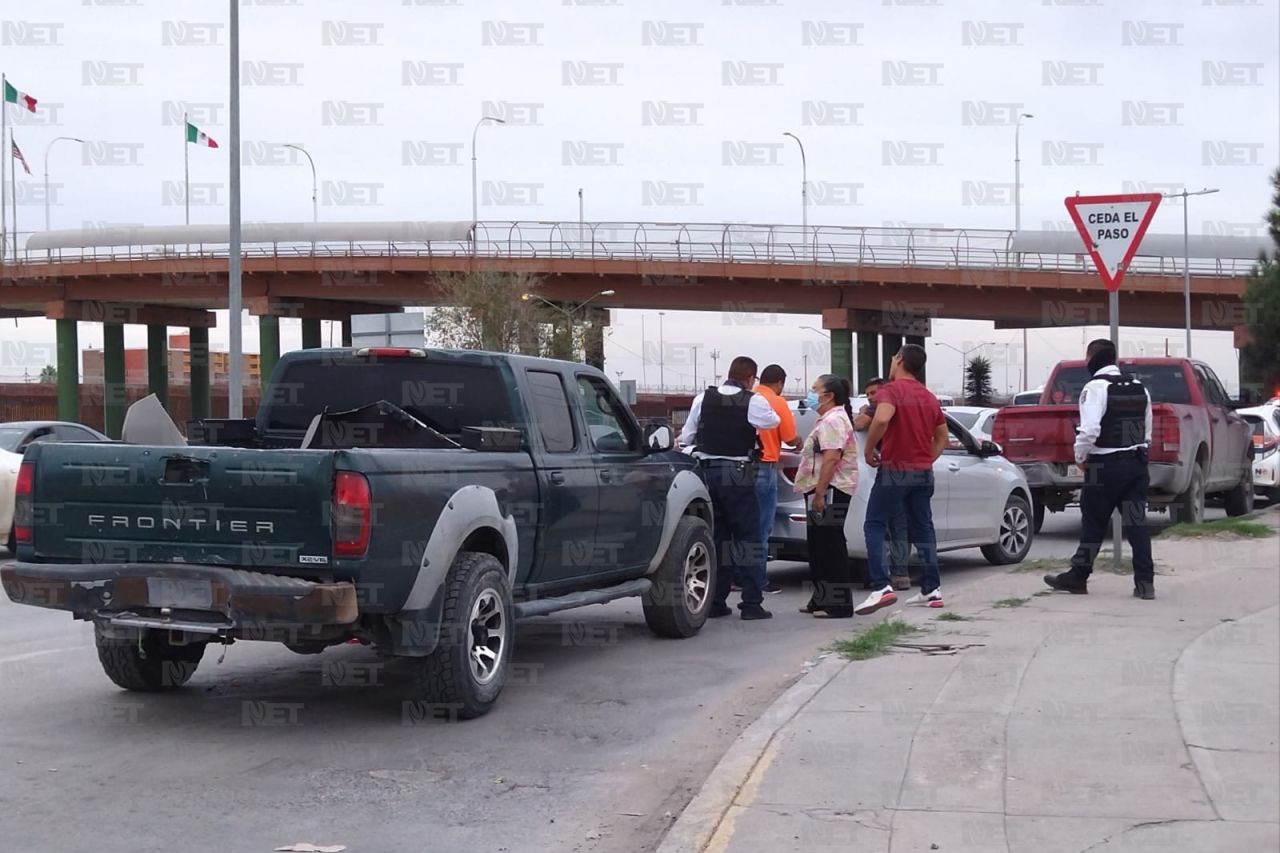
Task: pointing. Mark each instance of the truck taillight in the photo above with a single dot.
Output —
(23, 510)
(351, 512)
(1166, 434)
(998, 431)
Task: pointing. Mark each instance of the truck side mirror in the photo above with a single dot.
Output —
(658, 437)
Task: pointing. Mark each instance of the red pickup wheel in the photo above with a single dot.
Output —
(1188, 507)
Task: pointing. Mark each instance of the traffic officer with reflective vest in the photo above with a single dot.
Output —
(1111, 447)
(722, 428)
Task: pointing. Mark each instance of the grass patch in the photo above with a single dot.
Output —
(1011, 602)
(953, 617)
(1055, 565)
(874, 641)
(1243, 527)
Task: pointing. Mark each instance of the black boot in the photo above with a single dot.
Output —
(1146, 590)
(1068, 582)
(718, 609)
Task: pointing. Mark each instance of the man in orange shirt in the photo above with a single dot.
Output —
(772, 380)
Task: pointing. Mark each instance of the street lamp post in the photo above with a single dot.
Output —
(694, 347)
(1186, 258)
(964, 355)
(662, 357)
(315, 211)
(715, 358)
(46, 173)
(1017, 212)
(475, 206)
(804, 195)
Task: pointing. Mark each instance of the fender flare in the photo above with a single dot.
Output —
(469, 509)
(685, 488)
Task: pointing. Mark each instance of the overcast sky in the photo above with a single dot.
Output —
(902, 106)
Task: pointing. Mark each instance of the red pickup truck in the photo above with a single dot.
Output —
(1199, 445)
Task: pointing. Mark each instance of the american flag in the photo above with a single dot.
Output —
(17, 155)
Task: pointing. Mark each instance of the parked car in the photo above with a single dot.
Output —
(15, 438)
(1027, 398)
(1265, 423)
(976, 419)
(980, 500)
(414, 500)
(1199, 445)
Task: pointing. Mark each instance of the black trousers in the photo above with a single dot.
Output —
(1115, 481)
(829, 567)
(736, 511)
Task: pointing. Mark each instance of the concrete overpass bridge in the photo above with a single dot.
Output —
(872, 285)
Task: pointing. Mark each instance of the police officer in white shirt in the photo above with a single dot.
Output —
(722, 427)
(1111, 446)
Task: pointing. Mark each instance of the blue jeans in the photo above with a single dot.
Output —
(893, 493)
(737, 527)
(767, 500)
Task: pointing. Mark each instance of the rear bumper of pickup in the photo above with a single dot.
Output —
(194, 598)
(1166, 477)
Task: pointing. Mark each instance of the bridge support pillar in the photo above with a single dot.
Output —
(68, 357)
(311, 334)
(868, 358)
(889, 346)
(268, 346)
(158, 362)
(841, 354)
(918, 340)
(113, 398)
(199, 373)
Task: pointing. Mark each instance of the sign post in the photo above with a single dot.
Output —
(1112, 227)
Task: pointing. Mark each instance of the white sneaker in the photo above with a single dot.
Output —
(932, 599)
(876, 600)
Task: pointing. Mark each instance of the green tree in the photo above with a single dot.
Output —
(1260, 357)
(48, 374)
(977, 383)
(486, 310)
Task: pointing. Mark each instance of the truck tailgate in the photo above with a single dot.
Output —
(100, 503)
(1037, 433)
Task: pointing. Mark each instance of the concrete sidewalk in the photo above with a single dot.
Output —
(1076, 723)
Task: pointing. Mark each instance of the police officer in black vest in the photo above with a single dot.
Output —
(1111, 447)
(722, 426)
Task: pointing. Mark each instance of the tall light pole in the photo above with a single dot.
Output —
(715, 358)
(804, 195)
(1017, 217)
(1186, 257)
(46, 172)
(235, 369)
(569, 312)
(694, 347)
(475, 206)
(662, 357)
(315, 211)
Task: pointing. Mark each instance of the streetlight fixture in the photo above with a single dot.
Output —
(46, 174)
(315, 211)
(816, 331)
(475, 207)
(964, 354)
(804, 195)
(525, 297)
(662, 357)
(1186, 257)
(1017, 215)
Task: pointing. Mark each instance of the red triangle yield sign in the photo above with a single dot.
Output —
(1112, 227)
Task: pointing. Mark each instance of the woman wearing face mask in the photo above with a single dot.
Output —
(827, 477)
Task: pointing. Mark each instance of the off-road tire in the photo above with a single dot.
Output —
(1239, 501)
(1017, 532)
(445, 678)
(677, 604)
(1188, 507)
(148, 665)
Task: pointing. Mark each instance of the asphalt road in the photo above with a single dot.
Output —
(604, 734)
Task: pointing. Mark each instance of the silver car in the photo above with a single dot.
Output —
(981, 500)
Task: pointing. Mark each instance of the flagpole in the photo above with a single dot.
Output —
(186, 174)
(235, 393)
(4, 121)
(13, 195)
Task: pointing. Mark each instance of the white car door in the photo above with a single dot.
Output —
(975, 491)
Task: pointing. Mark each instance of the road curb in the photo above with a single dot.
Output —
(696, 825)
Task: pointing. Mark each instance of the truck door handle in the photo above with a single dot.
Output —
(556, 477)
(606, 477)
(953, 467)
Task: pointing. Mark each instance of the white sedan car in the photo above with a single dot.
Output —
(14, 439)
(980, 500)
(978, 420)
(1265, 421)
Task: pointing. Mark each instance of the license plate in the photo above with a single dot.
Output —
(1074, 471)
(183, 593)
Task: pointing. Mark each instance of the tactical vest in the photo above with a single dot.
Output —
(1124, 423)
(723, 429)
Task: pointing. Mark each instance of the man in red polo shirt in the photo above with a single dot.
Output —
(906, 435)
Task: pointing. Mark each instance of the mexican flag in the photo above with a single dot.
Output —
(13, 96)
(196, 136)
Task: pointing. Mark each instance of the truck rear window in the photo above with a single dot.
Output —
(1166, 383)
(446, 396)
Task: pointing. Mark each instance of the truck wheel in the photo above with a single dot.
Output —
(1239, 501)
(1188, 507)
(677, 604)
(469, 666)
(1016, 532)
(149, 664)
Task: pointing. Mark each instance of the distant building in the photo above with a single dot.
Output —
(135, 364)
